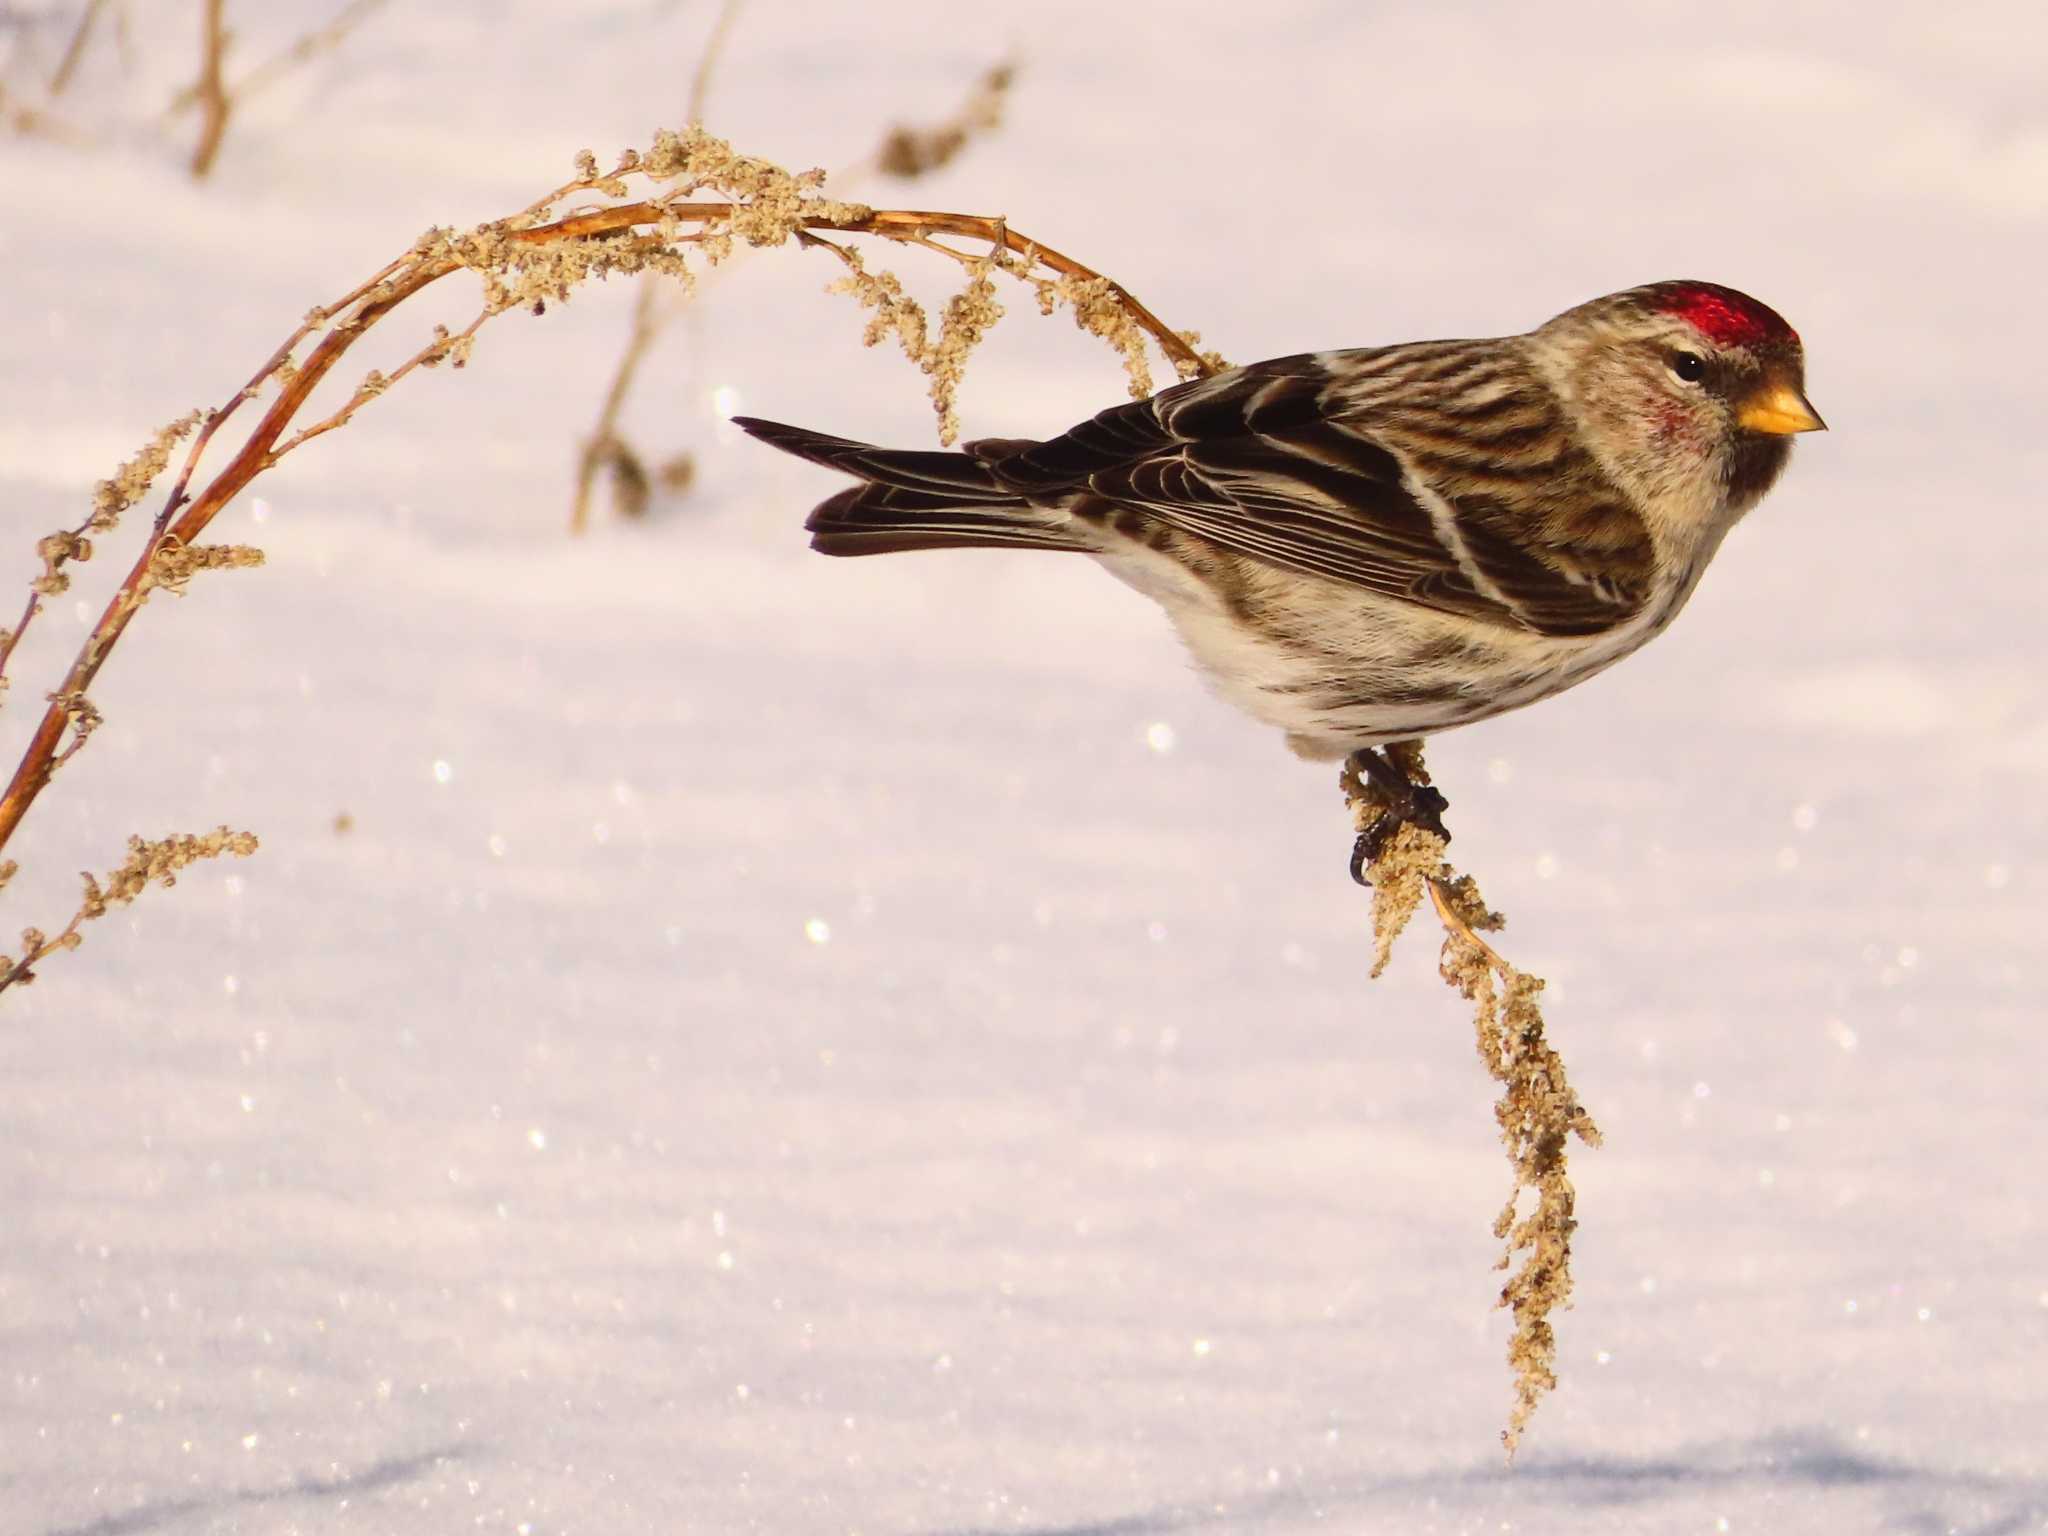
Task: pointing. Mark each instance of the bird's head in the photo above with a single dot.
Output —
(1689, 392)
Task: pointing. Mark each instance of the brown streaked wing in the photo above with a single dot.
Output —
(1266, 462)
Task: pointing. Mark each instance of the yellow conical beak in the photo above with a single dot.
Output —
(1779, 409)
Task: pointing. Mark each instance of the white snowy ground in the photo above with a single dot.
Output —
(809, 1062)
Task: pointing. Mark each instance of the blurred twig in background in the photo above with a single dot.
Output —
(906, 152)
(27, 101)
(75, 49)
(605, 449)
(212, 92)
(217, 100)
(909, 151)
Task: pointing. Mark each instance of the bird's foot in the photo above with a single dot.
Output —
(1403, 802)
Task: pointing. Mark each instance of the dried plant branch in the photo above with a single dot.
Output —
(304, 49)
(1537, 1111)
(605, 449)
(707, 63)
(83, 718)
(148, 863)
(110, 499)
(75, 49)
(908, 151)
(36, 123)
(28, 105)
(214, 104)
(218, 100)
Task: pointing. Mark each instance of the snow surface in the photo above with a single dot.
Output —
(793, 1046)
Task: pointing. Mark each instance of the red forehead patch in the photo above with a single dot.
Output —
(1722, 315)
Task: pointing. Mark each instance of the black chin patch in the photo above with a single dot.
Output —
(1759, 459)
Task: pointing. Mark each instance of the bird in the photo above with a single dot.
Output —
(1366, 546)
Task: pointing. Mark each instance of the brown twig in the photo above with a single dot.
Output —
(604, 447)
(75, 49)
(910, 150)
(38, 760)
(905, 226)
(1454, 922)
(320, 40)
(707, 63)
(213, 99)
(10, 638)
(311, 45)
(36, 123)
(149, 862)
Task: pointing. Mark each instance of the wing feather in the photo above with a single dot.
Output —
(1278, 462)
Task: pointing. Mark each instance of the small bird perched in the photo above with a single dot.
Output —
(1371, 545)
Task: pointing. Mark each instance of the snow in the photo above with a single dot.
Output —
(800, 1046)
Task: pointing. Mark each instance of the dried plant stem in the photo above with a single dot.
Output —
(1537, 1111)
(604, 446)
(212, 94)
(707, 62)
(1454, 922)
(217, 100)
(910, 150)
(903, 226)
(906, 226)
(149, 862)
(311, 45)
(39, 758)
(75, 49)
(10, 638)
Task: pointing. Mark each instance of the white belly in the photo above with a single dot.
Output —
(1338, 667)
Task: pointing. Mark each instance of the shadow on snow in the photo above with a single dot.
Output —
(381, 1474)
(1923, 1501)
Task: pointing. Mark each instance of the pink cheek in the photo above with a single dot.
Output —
(1675, 426)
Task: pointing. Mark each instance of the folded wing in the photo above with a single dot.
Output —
(1276, 462)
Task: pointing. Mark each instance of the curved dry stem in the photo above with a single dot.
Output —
(904, 226)
(523, 262)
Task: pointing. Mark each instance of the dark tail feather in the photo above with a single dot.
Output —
(885, 519)
(911, 499)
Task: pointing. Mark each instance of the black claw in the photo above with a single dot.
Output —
(1371, 843)
(1365, 850)
(1421, 805)
(1426, 809)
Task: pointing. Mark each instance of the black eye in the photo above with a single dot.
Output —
(1689, 366)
